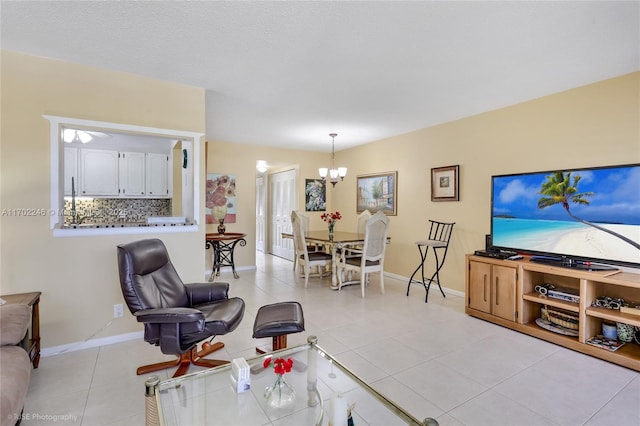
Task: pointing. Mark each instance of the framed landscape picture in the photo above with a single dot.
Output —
(444, 183)
(377, 192)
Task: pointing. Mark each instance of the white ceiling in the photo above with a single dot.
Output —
(289, 73)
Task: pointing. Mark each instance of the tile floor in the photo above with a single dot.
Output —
(430, 358)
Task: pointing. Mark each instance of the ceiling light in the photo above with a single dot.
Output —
(75, 136)
(334, 173)
(261, 166)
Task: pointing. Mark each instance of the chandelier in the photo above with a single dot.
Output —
(334, 173)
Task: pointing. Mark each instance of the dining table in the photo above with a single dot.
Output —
(333, 243)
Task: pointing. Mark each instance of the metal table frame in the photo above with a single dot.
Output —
(223, 246)
(154, 387)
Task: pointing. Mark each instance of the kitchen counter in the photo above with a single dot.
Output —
(124, 225)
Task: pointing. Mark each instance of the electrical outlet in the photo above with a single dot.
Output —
(118, 310)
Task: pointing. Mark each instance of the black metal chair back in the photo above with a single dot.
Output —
(438, 239)
(440, 231)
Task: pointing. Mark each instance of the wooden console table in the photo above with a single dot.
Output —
(31, 342)
(223, 247)
(503, 292)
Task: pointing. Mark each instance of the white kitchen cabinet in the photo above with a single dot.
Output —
(98, 173)
(70, 170)
(132, 174)
(109, 173)
(157, 172)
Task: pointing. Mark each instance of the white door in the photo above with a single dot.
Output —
(261, 214)
(282, 196)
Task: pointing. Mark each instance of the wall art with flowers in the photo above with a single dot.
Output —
(315, 195)
(221, 191)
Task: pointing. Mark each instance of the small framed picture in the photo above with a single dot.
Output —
(444, 183)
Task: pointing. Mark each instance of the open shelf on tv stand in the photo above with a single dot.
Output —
(566, 262)
(504, 292)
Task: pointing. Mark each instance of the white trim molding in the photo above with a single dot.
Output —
(191, 189)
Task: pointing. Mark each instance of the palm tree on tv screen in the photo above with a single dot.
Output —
(558, 188)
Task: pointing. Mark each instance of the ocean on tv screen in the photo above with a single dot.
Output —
(567, 238)
(590, 213)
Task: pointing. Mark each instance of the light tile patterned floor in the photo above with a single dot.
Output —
(430, 358)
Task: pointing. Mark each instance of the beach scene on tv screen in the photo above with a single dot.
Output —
(591, 213)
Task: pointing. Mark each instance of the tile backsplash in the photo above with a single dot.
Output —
(117, 210)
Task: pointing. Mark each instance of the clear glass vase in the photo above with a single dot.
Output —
(331, 225)
(280, 394)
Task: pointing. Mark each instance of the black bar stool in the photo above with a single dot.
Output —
(438, 239)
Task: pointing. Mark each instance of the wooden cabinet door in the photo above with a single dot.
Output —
(99, 172)
(157, 175)
(70, 170)
(132, 174)
(504, 292)
(480, 286)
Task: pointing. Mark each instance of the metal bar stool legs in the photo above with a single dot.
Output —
(439, 236)
(423, 258)
(426, 283)
(436, 274)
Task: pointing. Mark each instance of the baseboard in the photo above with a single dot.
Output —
(228, 269)
(77, 346)
(92, 343)
(406, 279)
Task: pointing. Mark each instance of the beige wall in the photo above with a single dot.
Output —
(77, 275)
(240, 160)
(593, 125)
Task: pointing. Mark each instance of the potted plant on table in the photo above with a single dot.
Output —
(281, 393)
(331, 219)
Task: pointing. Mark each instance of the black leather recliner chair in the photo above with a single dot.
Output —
(176, 316)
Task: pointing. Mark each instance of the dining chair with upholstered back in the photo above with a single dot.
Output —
(303, 257)
(371, 257)
(362, 219)
(305, 226)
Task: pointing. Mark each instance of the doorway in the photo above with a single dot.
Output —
(261, 213)
(282, 200)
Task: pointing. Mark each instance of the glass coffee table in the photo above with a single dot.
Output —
(319, 380)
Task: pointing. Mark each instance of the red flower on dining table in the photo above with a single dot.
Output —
(331, 217)
(280, 365)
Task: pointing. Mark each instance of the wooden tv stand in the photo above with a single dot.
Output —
(502, 292)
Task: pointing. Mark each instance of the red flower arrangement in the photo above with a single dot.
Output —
(331, 218)
(280, 365)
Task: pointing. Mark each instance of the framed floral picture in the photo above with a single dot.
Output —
(221, 191)
(315, 195)
(377, 192)
(444, 183)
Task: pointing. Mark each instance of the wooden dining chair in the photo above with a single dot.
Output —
(368, 259)
(362, 219)
(305, 227)
(303, 257)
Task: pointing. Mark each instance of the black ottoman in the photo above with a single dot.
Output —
(277, 320)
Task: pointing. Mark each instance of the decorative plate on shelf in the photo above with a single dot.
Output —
(548, 325)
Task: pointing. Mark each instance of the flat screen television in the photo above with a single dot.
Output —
(574, 217)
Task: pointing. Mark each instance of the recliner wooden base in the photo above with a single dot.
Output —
(192, 356)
